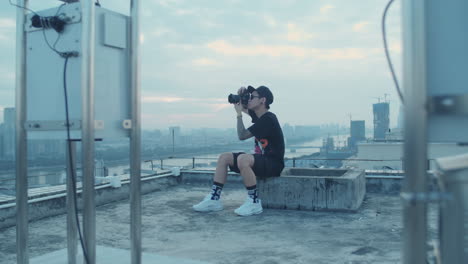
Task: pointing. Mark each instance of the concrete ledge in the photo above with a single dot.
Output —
(314, 189)
(206, 177)
(46, 206)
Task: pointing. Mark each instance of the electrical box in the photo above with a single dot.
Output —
(447, 66)
(46, 115)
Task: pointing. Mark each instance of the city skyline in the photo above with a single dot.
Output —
(323, 60)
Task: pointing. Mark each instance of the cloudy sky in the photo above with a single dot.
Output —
(323, 59)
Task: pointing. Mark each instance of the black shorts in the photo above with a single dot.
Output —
(264, 167)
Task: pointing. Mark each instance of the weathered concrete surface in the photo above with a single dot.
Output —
(171, 228)
(46, 206)
(107, 255)
(314, 189)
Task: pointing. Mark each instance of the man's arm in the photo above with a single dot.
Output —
(241, 131)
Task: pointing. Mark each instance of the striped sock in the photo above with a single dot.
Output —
(216, 190)
(253, 193)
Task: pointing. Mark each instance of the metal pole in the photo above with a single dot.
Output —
(22, 214)
(415, 148)
(135, 136)
(87, 132)
(72, 233)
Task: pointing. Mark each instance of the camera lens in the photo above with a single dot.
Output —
(233, 99)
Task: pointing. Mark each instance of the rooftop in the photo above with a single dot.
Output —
(173, 233)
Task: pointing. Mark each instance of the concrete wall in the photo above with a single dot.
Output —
(314, 189)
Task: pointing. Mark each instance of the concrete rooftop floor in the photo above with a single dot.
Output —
(173, 231)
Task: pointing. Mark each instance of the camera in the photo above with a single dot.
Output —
(243, 98)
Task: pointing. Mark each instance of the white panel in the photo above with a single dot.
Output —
(447, 65)
(45, 93)
(115, 30)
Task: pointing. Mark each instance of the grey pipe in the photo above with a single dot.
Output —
(135, 136)
(415, 149)
(87, 132)
(22, 214)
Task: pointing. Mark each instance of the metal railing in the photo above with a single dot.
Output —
(194, 162)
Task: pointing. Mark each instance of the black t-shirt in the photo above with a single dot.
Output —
(269, 139)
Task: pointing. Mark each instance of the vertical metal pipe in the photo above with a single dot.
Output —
(72, 232)
(415, 148)
(87, 132)
(135, 136)
(22, 214)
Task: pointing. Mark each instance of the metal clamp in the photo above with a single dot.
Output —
(127, 124)
(71, 14)
(98, 124)
(448, 104)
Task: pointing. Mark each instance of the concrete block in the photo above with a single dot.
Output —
(314, 189)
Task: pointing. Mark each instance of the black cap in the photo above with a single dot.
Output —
(262, 91)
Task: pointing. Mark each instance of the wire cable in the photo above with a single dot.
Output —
(44, 25)
(384, 35)
(72, 169)
(25, 8)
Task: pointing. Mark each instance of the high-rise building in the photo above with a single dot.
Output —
(357, 133)
(9, 119)
(381, 120)
(288, 131)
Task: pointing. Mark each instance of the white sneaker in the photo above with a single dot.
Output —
(208, 205)
(249, 208)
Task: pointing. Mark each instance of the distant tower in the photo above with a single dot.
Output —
(174, 134)
(9, 119)
(358, 132)
(381, 120)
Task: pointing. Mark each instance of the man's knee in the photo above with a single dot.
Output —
(244, 161)
(226, 159)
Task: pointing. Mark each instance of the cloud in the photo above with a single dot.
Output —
(296, 34)
(395, 47)
(160, 31)
(167, 3)
(6, 74)
(223, 47)
(219, 107)
(159, 99)
(361, 27)
(205, 62)
(7, 28)
(292, 51)
(185, 119)
(270, 21)
(174, 99)
(184, 12)
(324, 10)
(6, 23)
